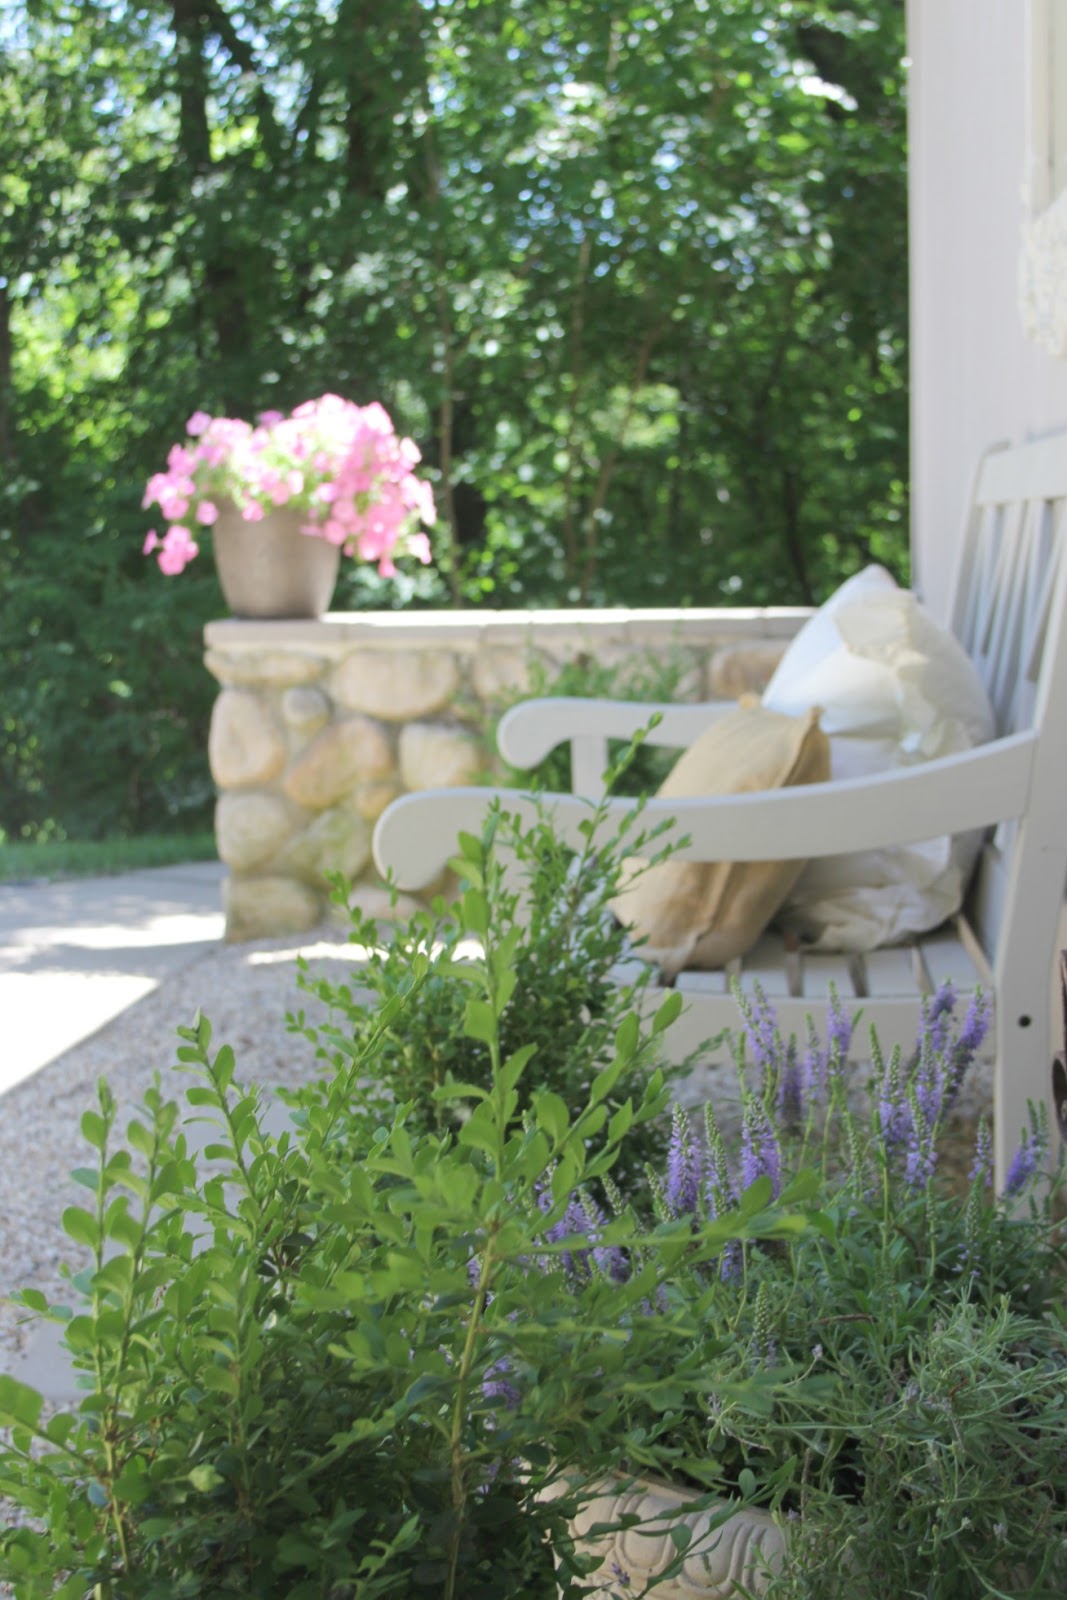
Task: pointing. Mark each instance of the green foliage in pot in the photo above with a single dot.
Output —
(299, 1358)
(562, 998)
(912, 1425)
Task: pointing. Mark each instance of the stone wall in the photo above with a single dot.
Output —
(319, 725)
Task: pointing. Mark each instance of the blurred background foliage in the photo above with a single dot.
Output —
(631, 272)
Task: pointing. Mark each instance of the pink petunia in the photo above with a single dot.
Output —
(150, 543)
(176, 551)
(252, 512)
(197, 424)
(207, 512)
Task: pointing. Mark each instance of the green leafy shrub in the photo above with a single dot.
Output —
(300, 1361)
(561, 997)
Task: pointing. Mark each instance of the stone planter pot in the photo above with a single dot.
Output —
(741, 1551)
(270, 568)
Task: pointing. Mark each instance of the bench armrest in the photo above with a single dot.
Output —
(416, 836)
(534, 728)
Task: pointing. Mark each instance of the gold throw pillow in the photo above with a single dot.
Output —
(697, 914)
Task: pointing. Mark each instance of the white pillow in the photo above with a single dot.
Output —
(895, 689)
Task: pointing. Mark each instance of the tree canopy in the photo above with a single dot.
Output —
(631, 272)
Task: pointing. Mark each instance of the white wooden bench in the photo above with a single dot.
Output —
(1009, 606)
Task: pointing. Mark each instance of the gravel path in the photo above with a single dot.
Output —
(245, 991)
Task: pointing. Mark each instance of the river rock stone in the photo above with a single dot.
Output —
(273, 669)
(261, 908)
(502, 674)
(433, 755)
(353, 750)
(337, 841)
(245, 745)
(739, 669)
(371, 799)
(251, 828)
(305, 710)
(396, 685)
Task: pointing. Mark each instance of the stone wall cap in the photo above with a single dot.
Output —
(347, 629)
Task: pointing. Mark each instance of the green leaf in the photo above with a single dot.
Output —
(626, 1036)
(551, 1114)
(476, 912)
(94, 1129)
(515, 1065)
(668, 1012)
(20, 1406)
(80, 1226)
(206, 1478)
(223, 1067)
(479, 1021)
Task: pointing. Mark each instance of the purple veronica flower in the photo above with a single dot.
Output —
(682, 1191)
(1024, 1164)
(760, 1155)
(838, 1029)
(976, 1025)
(936, 1013)
(731, 1262)
(719, 1193)
(930, 1080)
(574, 1220)
(893, 1110)
(761, 1028)
(813, 1069)
(498, 1388)
(982, 1168)
(920, 1156)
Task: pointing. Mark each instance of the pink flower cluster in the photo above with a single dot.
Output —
(340, 464)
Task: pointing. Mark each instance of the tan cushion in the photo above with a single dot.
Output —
(693, 914)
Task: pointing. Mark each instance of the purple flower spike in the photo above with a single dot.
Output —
(893, 1110)
(1024, 1164)
(976, 1025)
(930, 1079)
(838, 1029)
(935, 1018)
(683, 1168)
(498, 1388)
(760, 1155)
(574, 1220)
(813, 1070)
(982, 1168)
(761, 1028)
(920, 1157)
(608, 1259)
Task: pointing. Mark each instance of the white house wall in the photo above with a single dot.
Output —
(974, 377)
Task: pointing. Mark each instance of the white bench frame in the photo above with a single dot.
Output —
(1009, 610)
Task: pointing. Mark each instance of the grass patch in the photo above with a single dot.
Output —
(99, 858)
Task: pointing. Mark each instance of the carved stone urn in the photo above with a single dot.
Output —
(742, 1549)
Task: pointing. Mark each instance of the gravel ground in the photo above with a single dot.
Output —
(245, 991)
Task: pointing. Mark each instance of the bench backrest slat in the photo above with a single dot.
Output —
(1008, 600)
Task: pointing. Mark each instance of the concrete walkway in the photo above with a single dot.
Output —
(74, 955)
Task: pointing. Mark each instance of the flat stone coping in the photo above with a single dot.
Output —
(348, 629)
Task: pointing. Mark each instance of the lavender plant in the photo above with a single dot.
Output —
(904, 1367)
